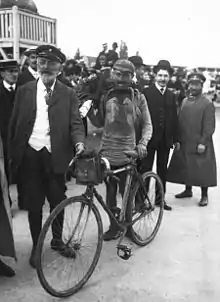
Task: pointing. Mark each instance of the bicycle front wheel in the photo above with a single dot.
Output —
(145, 212)
(63, 272)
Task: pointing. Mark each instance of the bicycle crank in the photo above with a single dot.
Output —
(124, 252)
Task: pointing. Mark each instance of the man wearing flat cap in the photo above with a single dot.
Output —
(9, 70)
(123, 113)
(193, 162)
(44, 131)
(163, 111)
(29, 74)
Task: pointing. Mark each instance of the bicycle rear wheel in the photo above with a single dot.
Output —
(145, 212)
(62, 273)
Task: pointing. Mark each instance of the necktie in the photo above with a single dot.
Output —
(48, 94)
(11, 89)
(162, 90)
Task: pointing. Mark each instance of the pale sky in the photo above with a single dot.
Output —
(185, 32)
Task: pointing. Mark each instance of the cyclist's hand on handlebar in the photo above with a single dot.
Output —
(142, 150)
(80, 147)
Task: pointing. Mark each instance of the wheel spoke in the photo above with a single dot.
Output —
(61, 276)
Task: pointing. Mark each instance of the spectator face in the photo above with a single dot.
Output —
(33, 61)
(139, 72)
(10, 75)
(146, 76)
(48, 70)
(173, 79)
(162, 77)
(195, 88)
(102, 61)
(105, 47)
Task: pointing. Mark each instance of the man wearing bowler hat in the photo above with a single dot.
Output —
(139, 71)
(163, 111)
(29, 74)
(44, 131)
(193, 162)
(9, 70)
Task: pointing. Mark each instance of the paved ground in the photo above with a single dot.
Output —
(182, 264)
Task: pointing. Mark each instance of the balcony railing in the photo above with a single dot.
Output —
(6, 25)
(26, 27)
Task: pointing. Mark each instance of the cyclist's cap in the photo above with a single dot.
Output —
(196, 77)
(50, 52)
(124, 65)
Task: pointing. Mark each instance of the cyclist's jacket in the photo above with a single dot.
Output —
(123, 113)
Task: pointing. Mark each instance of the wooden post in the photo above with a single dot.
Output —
(16, 33)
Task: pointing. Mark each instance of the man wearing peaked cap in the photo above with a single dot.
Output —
(29, 73)
(50, 52)
(123, 129)
(193, 162)
(196, 77)
(45, 131)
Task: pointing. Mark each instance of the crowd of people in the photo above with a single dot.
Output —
(43, 122)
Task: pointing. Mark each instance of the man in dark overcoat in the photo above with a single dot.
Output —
(9, 72)
(30, 73)
(44, 131)
(193, 162)
(7, 248)
(163, 111)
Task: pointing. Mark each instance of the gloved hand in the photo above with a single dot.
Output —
(79, 148)
(142, 150)
(84, 109)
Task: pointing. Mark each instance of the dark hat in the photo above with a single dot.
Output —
(124, 65)
(115, 44)
(136, 60)
(30, 51)
(164, 65)
(8, 64)
(196, 77)
(72, 70)
(50, 52)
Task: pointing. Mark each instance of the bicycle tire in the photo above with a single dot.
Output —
(48, 288)
(129, 212)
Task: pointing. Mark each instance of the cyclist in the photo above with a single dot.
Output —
(123, 113)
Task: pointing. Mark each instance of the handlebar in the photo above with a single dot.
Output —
(132, 154)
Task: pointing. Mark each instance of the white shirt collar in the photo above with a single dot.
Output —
(8, 86)
(34, 73)
(160, 87)
(43, 87)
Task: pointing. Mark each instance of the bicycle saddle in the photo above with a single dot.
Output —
(133, 154)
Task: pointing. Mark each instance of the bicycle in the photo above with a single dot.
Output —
(137, 206)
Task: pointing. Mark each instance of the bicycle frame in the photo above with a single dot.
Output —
(121, 223)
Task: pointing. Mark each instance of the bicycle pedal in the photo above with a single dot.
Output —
(124, 252)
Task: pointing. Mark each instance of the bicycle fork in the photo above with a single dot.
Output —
(123, 251)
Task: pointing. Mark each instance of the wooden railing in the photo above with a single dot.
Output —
(37, 28)
(6, 25)
(34, 29)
